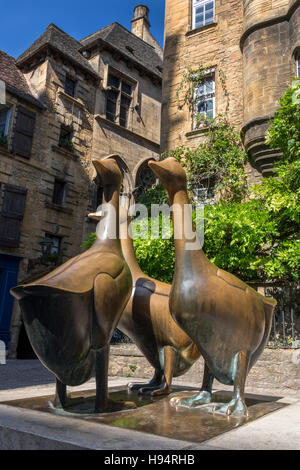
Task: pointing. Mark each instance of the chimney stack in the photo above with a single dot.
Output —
(140, 24)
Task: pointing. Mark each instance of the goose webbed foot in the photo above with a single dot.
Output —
(199, 399)
(236, 406)
(154, 383)
(138, 387)
(161, 391)
(157, 391)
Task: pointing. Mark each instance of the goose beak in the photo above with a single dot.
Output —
(95, 215)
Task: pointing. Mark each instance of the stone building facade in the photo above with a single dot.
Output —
(255, 43)
(62, 103)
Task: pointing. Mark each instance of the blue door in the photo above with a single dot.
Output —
(9, 266)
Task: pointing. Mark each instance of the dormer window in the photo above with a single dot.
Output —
(203, 13)
(118, 99)
(70, 85)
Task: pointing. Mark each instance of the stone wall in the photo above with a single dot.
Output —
(275, 373)
(268, 44)
(216, 45)
(254, 43)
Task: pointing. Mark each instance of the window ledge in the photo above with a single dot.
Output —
(58, 208)
(191, 32)
(197, 132)
(71, 99)
(65, 152)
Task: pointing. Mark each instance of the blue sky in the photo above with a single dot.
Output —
(23, 21)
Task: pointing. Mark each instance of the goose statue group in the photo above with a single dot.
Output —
(228, 321)
(70, 314)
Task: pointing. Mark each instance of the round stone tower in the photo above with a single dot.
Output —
(269, 44)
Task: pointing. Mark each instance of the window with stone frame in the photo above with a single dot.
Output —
(205, 102)
(4, 124)
(12, 212)
(298, 64)
(56, 244)
(23, 132)
(203, 13)
(205, 191)
(118, 99)
(70, 86)
(65, 137)
(59, 188)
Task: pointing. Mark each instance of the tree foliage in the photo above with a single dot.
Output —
(284, 132)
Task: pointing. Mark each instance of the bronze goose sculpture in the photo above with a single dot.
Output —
(228, 321)
(146, 319)
(70, 314)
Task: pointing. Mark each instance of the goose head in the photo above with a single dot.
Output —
(109, 172)
(170, 173)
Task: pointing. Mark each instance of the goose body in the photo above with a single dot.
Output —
(71, 313)
(228, 321)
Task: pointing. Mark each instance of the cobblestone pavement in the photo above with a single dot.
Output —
(24, 373)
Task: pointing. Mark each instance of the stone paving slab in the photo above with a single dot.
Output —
(277, 431)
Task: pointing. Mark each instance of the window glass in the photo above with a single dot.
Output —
(65, 135)
(118, 100)
(58, 192)
(56, 242)
(113, 81)
(70, 86)
(205, 101)
(124, 109)
(203, 12)
(111, 105)
(4, 121)
(126, 88)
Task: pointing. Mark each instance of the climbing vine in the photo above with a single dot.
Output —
(217, 164)
(186, 92)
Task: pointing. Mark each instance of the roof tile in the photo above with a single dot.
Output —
(123, 40)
